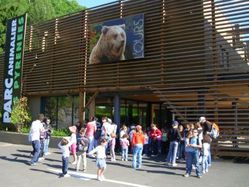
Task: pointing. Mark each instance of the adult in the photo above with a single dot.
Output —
(48, 132)
(174, 138)
(34, 135)
(138, 140)
(206, 130)
(206, 125)
(90, 130)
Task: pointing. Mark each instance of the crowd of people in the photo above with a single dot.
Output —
(189, 143)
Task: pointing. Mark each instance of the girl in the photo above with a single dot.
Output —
(64, 145)
(100, 159)
(137, 143)
(124, 142)
(73, 140)
(193, 145)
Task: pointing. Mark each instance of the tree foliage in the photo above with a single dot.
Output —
(38, 11)
(20, 114)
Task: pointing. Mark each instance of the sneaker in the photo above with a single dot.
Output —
(41, 159)
(199, 176)
(103, 177)
(48, 153)
(174, 165)
(122, 159)
(204, 172)
(126, 159)
(99, 178)
(74, 163)
(32, 164)
(66, 175)
(113, 160)
(186, 175)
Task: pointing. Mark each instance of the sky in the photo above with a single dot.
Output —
(93, 3)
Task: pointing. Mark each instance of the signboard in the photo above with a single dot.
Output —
(117, 40)
(14, 48)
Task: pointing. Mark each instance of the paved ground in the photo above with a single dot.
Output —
(15, 171)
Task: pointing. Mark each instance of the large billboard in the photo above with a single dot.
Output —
(14, 48)
(117, 40)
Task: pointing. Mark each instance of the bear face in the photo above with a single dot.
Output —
(110, 46)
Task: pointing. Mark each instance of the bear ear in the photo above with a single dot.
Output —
(104, 29)
(122, 26)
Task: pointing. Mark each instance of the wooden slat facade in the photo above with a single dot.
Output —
(196, 61)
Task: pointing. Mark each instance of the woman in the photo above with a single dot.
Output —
(138, 140)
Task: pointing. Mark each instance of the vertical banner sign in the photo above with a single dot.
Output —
(14, 51)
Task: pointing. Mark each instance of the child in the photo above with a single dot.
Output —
(100, 158)
(193, 145)
(124, 146)
(64, 145)
(82, 145)
(73, 130)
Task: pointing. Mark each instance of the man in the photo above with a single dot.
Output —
(34, 134)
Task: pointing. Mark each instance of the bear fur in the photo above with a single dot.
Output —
(110, 46)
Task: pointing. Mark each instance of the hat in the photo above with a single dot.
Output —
(138, 127)
(73, 129)
(175, 123)
(202, 119)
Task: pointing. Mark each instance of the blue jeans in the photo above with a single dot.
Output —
(46, 144)
(181, 150)
(137, 156)
(125, 154)
(37, 148)
(193, 159)
(65, 161)
(171, 158)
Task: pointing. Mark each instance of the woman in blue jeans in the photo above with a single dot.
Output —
(193, 146)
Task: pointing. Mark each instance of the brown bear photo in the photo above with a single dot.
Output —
(110, 46)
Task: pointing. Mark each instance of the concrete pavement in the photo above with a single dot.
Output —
(15, 171)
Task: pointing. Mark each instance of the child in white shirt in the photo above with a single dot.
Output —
(64, 146)
(100, 158)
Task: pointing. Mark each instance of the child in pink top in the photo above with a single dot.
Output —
(73, 140)
(124, 142)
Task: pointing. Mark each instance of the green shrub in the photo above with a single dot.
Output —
(61, 132)
(55, 133)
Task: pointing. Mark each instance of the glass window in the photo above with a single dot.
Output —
(65, 112)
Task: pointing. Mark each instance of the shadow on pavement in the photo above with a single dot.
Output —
(16, 159)
(44, 171)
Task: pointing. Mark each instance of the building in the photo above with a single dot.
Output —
(191, 66)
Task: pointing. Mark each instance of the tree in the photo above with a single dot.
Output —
(38, 11)
(20, 115)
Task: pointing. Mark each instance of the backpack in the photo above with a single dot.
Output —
(82, 144)
(215, 131)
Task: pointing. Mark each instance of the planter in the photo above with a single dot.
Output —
(22, 138)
